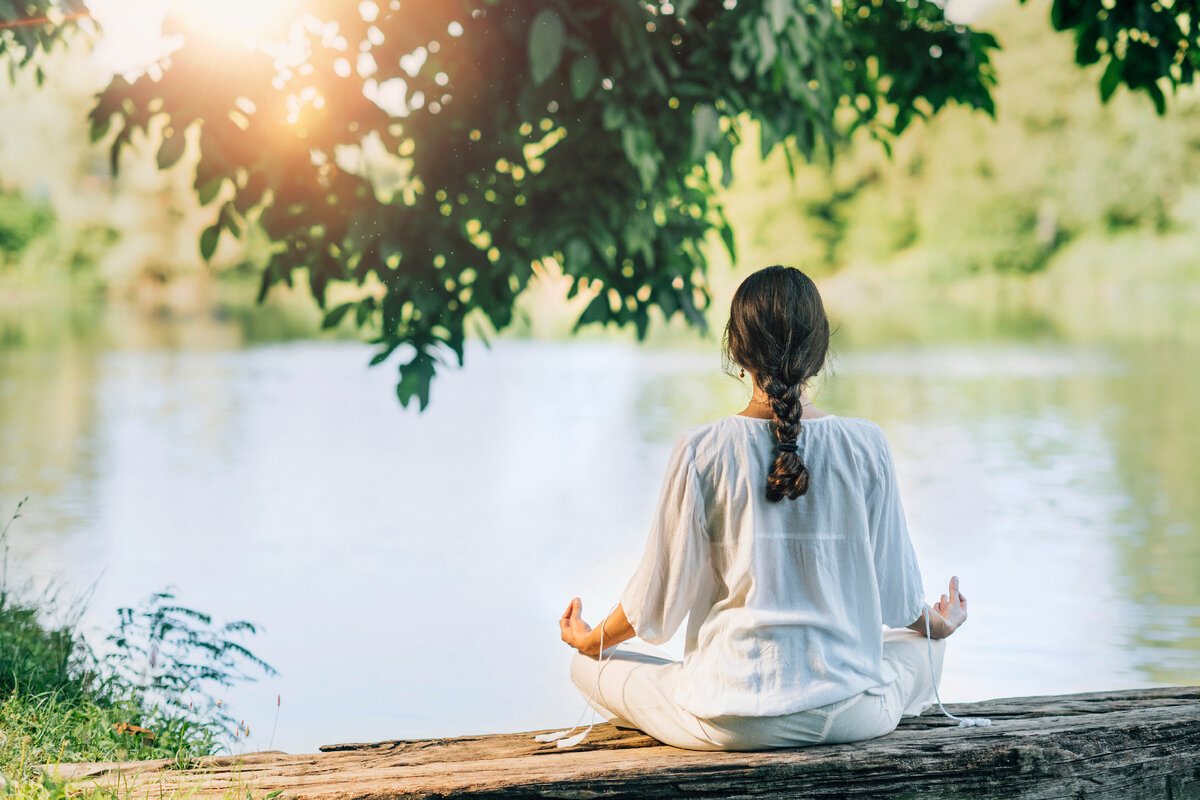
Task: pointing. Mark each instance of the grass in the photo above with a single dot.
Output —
(151, 695)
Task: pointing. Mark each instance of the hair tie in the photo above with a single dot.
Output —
(788, 447)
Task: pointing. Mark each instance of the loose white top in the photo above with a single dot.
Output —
(785, 601)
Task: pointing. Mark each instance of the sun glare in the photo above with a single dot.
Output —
(235, 19)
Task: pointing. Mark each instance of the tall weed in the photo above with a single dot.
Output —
(153, 693)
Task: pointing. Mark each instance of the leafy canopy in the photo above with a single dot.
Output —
(434, 154)
(30, 26)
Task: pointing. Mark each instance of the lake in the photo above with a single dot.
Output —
(409, 569)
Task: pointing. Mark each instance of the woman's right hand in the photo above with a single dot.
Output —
(952, 608)
(575, 632)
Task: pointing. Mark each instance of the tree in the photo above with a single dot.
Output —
(27, 26)
(592, 134)
(1147, 45)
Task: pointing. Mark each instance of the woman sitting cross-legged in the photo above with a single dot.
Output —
(780, 536)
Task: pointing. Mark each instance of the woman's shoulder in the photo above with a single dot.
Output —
(862, 433)
(703, 434)
(859, 432)
(861, 426)
(865, 445)
(706, 440)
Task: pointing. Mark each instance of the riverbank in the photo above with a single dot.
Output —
(149, 689)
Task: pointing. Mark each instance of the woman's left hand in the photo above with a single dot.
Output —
(952, 608)
(575, 631)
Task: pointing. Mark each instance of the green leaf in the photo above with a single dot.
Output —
(641, 321)
(100, 128)
(725, 153)
(727, 236)
(208, 241)
(227, 220)
(171, 149)
(584, 73)
(664, 297)
(779, 10)
(415, 377)
(547, 36)
(640, 150)
(596, 311)
(577, 256)
(363, 314)
(1085, 47)
(1111, 78)
(249, 195)
(208, 191)
(386, 352)
(123, 137)
(613, 117)
(456, 341)
(264, 286)
(1060, 15)
(335, 315)
(1160, 100)
(706, 131)
(767, 138)
(767, 48)
(688, 306)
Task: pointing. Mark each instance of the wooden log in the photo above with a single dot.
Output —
(1132, 745)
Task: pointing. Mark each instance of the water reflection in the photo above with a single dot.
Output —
(1157, 445)
(409, 569)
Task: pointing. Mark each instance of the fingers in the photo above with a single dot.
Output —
(569, 620)
(574, 608)
(954, 590)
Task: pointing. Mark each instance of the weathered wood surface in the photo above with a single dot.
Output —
(1119, 745)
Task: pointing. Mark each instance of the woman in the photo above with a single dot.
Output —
(780, 535)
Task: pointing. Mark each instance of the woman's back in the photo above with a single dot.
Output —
(786, 600)
(782, 540)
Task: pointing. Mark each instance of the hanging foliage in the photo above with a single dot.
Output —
(433, 153)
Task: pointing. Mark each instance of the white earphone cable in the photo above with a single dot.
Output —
(963, 722)
(563, 738)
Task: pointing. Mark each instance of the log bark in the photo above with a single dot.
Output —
(1132, 745)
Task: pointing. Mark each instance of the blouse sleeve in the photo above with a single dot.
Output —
(901, 592)
(664, 586)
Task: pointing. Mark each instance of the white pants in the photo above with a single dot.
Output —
(637, 690)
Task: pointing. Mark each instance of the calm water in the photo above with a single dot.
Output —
(409, 569)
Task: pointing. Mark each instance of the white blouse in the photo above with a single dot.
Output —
(785, 601)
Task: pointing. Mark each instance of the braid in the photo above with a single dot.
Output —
(778, 332)
(789, 477)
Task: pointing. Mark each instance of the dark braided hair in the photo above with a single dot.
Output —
(778, 332)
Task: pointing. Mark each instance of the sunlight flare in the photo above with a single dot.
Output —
(236, 19)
